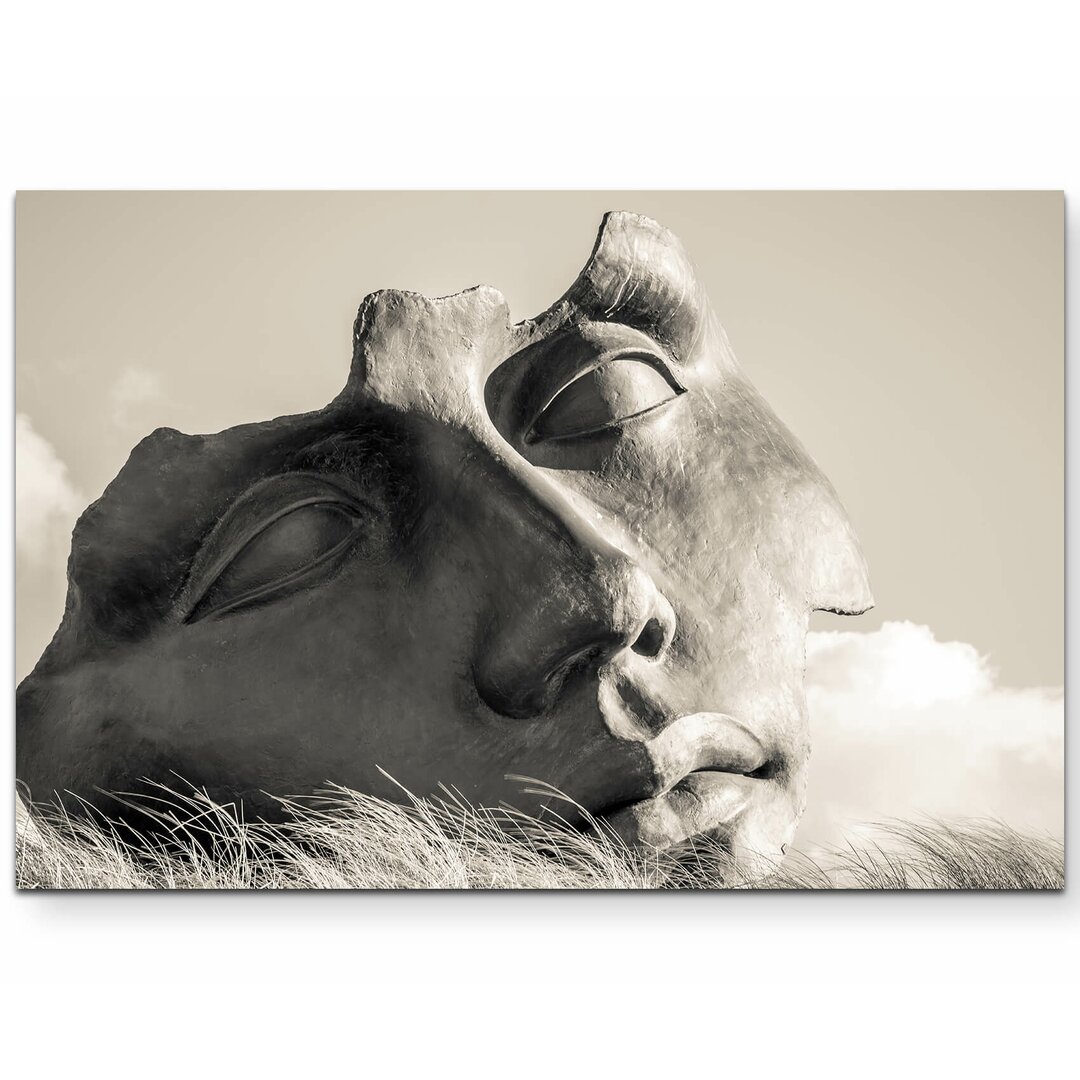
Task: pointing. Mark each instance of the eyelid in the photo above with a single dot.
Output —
(656, 362)
(228, 556)
(277, 583)
(257, 510)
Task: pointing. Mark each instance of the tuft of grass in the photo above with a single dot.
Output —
(346, 840)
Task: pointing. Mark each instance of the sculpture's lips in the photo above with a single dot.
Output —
(699, 803)
(707, 766)
(705, 740)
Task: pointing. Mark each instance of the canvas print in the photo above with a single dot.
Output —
(740, 565)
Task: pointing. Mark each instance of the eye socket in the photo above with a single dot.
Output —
(284, 534)
(603, 397)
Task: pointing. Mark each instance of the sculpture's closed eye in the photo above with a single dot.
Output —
(286, 533)
(603, 397)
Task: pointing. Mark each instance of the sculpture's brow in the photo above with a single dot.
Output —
(644, 281)
(375, 459)
(350, 452)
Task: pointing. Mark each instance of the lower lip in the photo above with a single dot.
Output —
(699, 803)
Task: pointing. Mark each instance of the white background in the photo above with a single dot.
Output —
(328, 95)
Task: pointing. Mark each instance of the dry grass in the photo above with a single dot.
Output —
(346, 840)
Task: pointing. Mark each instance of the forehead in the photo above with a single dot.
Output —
(436, 355)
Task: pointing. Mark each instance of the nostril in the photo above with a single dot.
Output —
(650, 642)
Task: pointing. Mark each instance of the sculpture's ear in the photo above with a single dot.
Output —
(639, 274)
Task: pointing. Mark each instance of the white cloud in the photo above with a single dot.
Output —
(46, 502)
(900, 666)
(905, 725)
(134, 388)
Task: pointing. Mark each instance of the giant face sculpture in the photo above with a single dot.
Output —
(579, 548)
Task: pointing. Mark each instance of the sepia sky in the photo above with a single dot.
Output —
(913, 341)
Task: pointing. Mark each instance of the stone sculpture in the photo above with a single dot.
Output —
(579, 548)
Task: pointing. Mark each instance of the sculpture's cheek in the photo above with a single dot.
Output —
(717, 489)
(84, 729)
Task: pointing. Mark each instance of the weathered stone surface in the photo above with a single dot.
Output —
(580, 548)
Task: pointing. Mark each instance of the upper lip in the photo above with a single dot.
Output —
(704, 741)
(677, 744)
(675, 807)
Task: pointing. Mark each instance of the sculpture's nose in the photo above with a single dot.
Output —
(562, 596)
